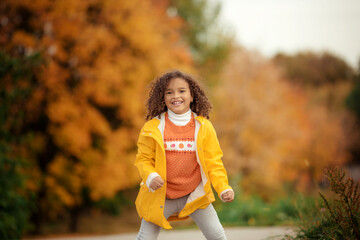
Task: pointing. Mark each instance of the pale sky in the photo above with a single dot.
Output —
(290, 26)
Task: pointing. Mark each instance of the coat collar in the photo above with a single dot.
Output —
(156, 126)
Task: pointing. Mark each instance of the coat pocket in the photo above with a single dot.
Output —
(142, 201)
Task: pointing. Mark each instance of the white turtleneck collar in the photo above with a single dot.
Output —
(179, 119)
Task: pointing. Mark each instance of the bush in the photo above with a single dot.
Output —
(337, 218)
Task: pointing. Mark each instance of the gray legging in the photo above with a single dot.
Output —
(206, 219)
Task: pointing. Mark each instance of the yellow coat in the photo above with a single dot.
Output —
(151, 158)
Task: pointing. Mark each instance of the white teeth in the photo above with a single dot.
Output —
(176, 103)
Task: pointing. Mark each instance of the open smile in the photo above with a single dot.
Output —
(177, 103)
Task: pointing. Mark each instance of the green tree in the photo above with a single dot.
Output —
(209, 43)
(353, 103)
(353, 100)
(16, 201)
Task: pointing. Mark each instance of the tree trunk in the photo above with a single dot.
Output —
(74, 219)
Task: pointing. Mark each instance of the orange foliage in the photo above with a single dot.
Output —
(100, 56)
(268, 131)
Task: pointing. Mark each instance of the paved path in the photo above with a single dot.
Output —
(235, 233)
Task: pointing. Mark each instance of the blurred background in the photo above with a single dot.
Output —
(75, 75)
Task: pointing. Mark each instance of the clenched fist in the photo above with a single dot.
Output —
(228, 196)
(156, 183)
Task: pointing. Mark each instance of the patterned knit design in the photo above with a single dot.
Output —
(182, 170)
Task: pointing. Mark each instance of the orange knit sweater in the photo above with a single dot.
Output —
(182, 170)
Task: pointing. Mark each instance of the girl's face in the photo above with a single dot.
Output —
(178, 96)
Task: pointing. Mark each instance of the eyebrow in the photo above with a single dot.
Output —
(180, 88)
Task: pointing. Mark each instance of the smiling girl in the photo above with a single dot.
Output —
(179, 158)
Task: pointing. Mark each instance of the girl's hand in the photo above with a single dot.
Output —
(228, 196)
(156, 183)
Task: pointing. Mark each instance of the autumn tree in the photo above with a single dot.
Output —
(87, 105)
(326, 78)
(329, 82)
(267, 131)
(314, 69)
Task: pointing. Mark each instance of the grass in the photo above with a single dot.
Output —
(253, 211)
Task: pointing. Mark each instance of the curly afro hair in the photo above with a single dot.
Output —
(156, 101)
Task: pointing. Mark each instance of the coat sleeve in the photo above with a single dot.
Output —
(214, 164)
(145, 158)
